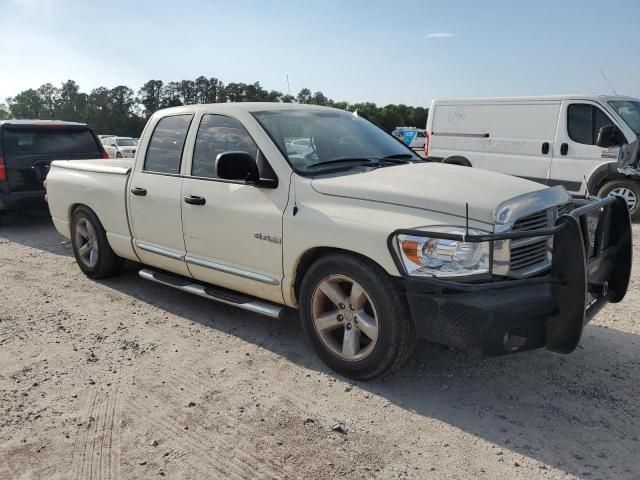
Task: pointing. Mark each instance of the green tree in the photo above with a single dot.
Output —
(50, 97)
(304, 96)
(151, 96)
(27, 104)
(5, 114)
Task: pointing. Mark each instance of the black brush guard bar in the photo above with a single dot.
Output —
(587, 269)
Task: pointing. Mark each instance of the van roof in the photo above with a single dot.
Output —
(589, 96)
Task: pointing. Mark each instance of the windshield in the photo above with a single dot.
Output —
(127, 142)
(629, 111)
(311, 138)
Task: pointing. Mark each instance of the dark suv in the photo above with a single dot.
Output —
(27, 148)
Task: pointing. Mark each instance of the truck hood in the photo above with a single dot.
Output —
(431, 186)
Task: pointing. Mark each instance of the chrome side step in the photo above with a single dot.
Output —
(213, 293)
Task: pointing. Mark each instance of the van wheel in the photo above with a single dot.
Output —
(356, 317)
(627, 189)
(90, 246)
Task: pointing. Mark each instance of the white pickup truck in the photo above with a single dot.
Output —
(373, 245)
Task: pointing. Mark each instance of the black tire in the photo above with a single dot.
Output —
(118, 155)
(107, 263)
(623, 183)
(396, 336)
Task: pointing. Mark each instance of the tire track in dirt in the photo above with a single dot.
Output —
(230, 460)
(228, 421)
(92, 446)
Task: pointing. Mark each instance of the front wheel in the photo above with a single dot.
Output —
(356, 317)
(627, 189)
(91, 247)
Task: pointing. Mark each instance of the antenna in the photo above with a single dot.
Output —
(607, 80)
(466, 217)
(288, 85)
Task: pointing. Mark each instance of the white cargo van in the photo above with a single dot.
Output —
(571, 140)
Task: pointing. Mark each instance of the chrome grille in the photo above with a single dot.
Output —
(537, 221)
(530, 255)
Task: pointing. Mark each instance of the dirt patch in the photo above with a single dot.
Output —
(127, 379)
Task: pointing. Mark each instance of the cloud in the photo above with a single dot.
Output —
(440, 35)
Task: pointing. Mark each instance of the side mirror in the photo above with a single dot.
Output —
(237, 166)
(609, 136)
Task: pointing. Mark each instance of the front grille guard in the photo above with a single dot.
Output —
(568, 228)
(589, 267)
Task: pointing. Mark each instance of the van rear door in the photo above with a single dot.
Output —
(29, 150)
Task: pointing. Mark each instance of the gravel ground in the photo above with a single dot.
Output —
(128, 379)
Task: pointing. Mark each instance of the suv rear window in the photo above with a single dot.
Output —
(19, 142)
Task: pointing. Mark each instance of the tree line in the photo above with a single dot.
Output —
(122, 111)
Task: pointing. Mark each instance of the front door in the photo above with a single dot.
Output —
(232, 231)
(155, 197)
(576, 154)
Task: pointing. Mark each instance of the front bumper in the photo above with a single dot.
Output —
(591, 266)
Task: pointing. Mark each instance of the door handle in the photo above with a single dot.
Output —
(545, 148)
(564, 149)
(195, 200)
(141, 192)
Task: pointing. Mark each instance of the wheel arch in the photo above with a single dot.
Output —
(603, 174)
(312, 255)
(457, 160)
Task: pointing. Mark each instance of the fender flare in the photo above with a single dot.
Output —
(602, 174)
(457, 160)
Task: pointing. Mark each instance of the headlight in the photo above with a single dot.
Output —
(436, 257)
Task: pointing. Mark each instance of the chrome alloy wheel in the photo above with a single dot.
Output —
(87, 243)
(629, 196)
(344, 317)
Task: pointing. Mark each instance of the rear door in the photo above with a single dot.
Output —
(576, 154)
(29, 150)
(154, 196)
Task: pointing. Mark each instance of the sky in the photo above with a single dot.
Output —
(354, 50)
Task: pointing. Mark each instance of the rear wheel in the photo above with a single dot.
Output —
(356, 317)
(627, 189)
(91, 247)
(118, 155)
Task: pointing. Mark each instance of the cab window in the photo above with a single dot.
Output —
(584, 121)
(218, 134)
(166, 144)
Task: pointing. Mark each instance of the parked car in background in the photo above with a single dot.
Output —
(120, 147)
(27, 148)
(570, 140)
(365, 238)
(412, 137)
(299, 146)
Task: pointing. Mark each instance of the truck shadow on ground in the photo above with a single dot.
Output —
(577, 412)
(33, 229)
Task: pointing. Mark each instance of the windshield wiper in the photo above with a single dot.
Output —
(360, 160)
(367, 161)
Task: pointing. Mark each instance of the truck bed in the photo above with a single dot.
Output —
(98, 184)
